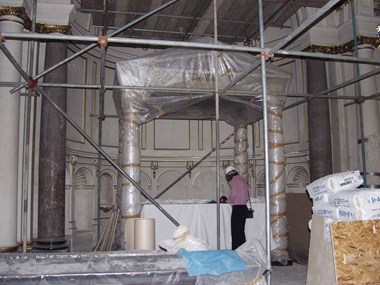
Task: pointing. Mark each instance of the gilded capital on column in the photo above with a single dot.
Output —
(50, 29)
(18, 12)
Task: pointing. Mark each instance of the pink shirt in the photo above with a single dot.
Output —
(239, 191)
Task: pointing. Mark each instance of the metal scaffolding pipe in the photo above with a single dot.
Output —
(169, 16)
(294, 34)
(332, 89)
(108, 158)
(183, 34)
(192, 167)
(180, 44)
(217, 128)
(100, 130)
(197, 91)
(87, 137)
(266, 148)
(27, 171)
(115, 33)
(358, 94)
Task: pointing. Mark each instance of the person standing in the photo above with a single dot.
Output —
(238, 199)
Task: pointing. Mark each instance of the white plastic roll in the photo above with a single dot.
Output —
(145, 234)
(129, 234)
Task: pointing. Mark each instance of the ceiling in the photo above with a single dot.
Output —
(185, 20)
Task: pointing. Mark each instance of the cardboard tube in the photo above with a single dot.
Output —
(144, 234)
(129, 234)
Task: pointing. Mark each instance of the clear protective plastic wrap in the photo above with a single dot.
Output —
(240, 151)
(277, 180)
(139, 267)
(187, 70)
(179, 83)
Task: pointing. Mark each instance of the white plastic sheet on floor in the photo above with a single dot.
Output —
(140, 267)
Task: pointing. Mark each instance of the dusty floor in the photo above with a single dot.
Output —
(289, 275)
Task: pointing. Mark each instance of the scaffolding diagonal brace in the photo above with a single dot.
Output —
(88, 48)
(86, 136)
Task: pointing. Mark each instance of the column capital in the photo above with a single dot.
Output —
(53, 29)
(13, 11)
(50, 18)
(364, 41)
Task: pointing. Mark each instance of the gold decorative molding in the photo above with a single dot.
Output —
(49, 29)
(20, 12)
(345, 48)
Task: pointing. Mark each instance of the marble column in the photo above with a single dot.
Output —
(318, 122)
(11, 22)
(371, 118)
(51, 194)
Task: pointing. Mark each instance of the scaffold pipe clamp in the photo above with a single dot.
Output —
(266, 54)
(103, 41)
(32, 84)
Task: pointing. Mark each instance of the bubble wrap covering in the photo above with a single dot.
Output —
(194, 69)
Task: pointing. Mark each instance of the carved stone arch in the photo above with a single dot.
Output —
(83, 177)
(83, 199)
(260, 184)
(146, 184)
(107, 182)
(111, 173)
(298, 176)
(177, 192)
(261, 178)
(203, 185)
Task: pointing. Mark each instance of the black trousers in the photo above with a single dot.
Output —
(238, 217)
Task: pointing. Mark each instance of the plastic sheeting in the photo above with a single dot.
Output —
(240, 152)
(151, 267)
(194, 69)
(277, 180)
(149, 95)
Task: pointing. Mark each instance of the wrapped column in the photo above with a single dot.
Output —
(130, 202)
(279, 223)
(240, 151)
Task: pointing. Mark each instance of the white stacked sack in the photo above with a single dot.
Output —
(337, 197)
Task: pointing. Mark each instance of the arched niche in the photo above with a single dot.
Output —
(83, 199)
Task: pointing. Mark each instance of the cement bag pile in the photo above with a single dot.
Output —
(338, 197)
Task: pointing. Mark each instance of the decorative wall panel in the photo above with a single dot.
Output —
(171, 134)
(77, 98)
